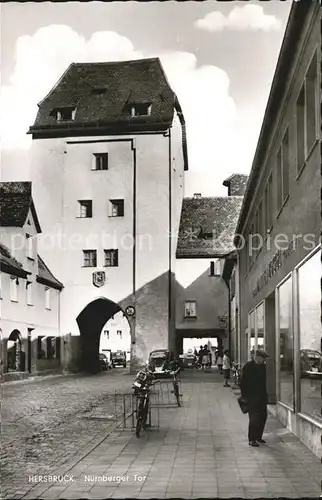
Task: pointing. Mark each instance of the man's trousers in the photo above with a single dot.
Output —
(257, 421)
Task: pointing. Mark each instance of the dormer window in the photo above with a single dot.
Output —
(64, 114)
(142, 109)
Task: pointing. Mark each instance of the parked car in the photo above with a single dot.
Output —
(104, 362)
(160, 362)
(190, 360)
(311, 363)
(118, 358)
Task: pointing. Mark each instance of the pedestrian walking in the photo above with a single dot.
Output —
(254, 391)
(226, 368)
(219, 362)
(205, 357)
(200, 354)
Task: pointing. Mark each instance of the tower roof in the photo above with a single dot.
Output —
(101, 95)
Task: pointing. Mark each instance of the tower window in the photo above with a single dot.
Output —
(116, 208)
(100, 161)
(85, 208)
(142, 109)
(111, 258)
(64, 114)
(89, 258)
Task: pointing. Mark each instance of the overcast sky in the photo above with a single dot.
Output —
(219, 57)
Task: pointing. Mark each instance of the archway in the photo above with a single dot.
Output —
(90, 323)
(15, 354)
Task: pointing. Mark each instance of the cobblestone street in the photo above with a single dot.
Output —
(45, 422)
(200, 450)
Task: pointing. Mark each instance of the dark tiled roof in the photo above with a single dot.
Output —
(15, 203)
(122, 83)
(207, 226)
(9, 264)
(46, 277)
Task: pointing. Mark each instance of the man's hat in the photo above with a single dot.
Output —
(261, 353)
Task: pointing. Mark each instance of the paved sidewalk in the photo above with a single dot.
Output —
(201, 450)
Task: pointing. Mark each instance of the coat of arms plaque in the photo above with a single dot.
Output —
(99, 278)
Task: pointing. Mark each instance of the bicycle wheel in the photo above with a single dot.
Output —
(139, 418)
(176, 392)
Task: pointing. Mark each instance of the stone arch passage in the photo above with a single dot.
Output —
(15, 355)
(90, 323)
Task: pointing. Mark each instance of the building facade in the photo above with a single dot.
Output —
(30, 294)
(206, 233)
(278, 233)
(108, 160)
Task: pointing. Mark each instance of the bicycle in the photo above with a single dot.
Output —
(142, 387)
(176, 386)
(236, 374)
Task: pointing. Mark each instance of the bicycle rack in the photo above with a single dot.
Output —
(167, 396)
(129, 403)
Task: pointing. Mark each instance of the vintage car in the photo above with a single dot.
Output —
(104, 362)
(190, 360)
(160, 362)
(311, 363)
(118, 358)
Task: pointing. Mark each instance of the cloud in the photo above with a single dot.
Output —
(246, 18)
(42, 58)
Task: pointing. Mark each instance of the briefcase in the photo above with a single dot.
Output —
(243, 403)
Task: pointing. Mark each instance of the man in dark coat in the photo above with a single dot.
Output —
(253, 389)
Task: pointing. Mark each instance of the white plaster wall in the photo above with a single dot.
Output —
(64, 176)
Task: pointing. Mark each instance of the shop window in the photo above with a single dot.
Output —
(310, 336)
(286, 365)
(252, 334)
(260, 326)
(190, 309)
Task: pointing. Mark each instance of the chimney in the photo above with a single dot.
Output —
(236, 184)
(197, 196)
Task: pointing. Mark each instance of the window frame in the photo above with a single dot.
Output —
(86, 252)
(307, 150)
(59, 113)
(113, 251)
(89, 209)
(29, 247)
(102, 159)
(29, 293)
(186, 309)
(213, 271)
(14, 290)
(119, 205)
(47, 298)
(283, 164)
(135, 105)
